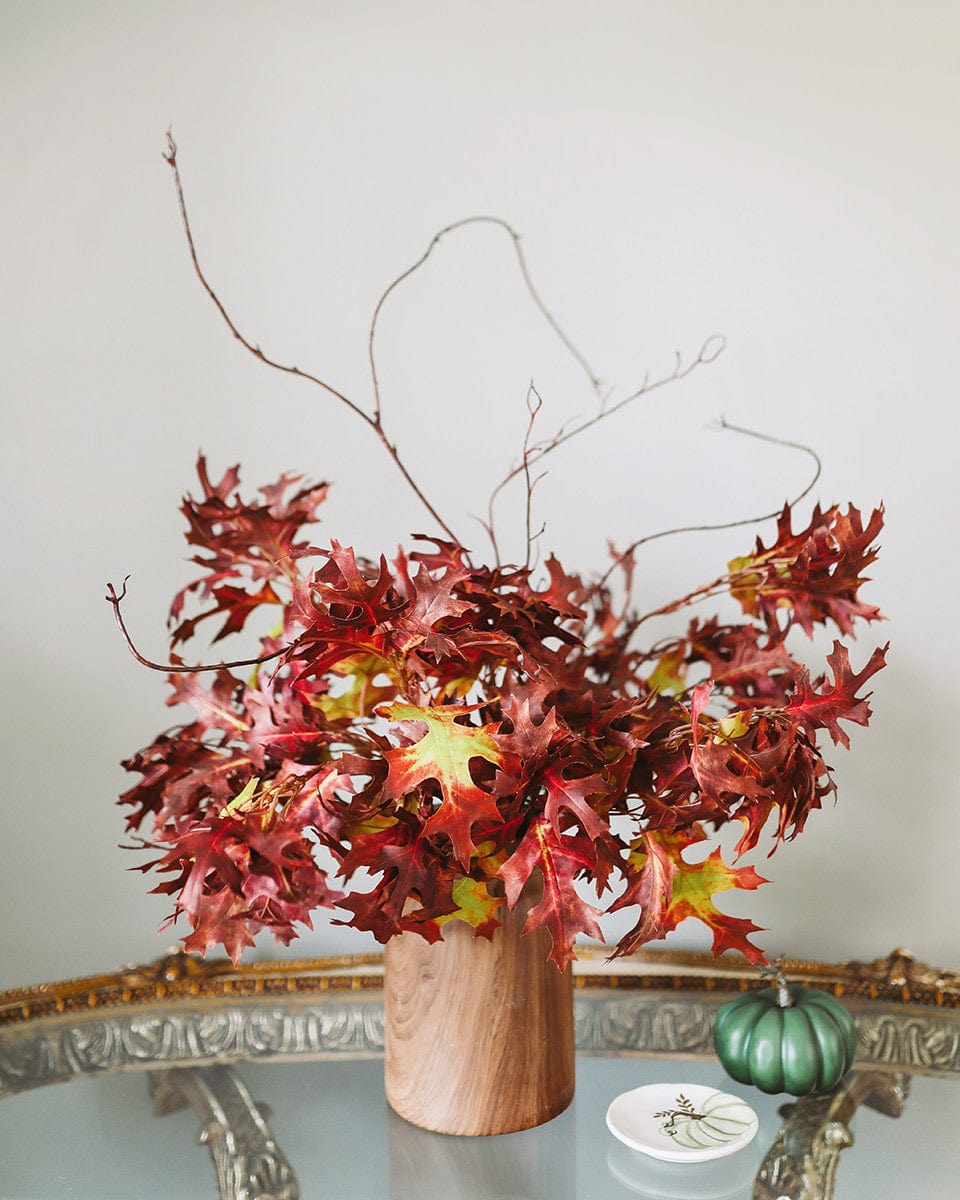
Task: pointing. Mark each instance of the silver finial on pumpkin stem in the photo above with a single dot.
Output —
(774, 972)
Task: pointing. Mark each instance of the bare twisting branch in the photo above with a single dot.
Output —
(171, 158)
(724, 425)
(487, 527)
(709, 352)
(115, 600)
(372, 421)
(548, 316)
(534, 404)
(711, 349)
(533, 452)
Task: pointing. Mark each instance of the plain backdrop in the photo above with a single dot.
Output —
(784, 174)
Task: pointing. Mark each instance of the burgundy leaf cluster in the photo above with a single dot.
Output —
(434, 734)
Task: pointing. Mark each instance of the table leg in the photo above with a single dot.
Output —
(248, 1163)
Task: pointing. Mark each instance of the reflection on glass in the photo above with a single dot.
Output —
(723, 1179)
(536, 1164)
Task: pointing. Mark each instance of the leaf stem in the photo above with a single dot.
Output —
(775, 973)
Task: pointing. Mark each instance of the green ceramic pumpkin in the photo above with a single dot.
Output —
(790, 1039)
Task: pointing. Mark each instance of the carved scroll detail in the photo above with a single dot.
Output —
(51, 1052)
(606, 1021)
(643, 1022)
(919, 1042)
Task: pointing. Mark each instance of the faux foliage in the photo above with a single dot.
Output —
(423, 734)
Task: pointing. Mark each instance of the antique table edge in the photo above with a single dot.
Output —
(898, 979)
(182, 1011)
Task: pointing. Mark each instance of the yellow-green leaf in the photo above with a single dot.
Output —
(444, 754)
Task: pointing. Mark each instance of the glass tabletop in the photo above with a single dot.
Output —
(276, 1073)
(98, 1139)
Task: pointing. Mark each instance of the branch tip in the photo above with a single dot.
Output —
(712, 348)
(114, 600)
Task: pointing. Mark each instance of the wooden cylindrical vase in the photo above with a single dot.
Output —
(478, 1034)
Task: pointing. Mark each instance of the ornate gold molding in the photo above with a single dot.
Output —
(901, 969)
(181, 1011)
(897, 979)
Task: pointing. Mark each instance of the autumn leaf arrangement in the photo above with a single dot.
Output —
(422, 735)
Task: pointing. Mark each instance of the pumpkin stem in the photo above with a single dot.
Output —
(775, 973)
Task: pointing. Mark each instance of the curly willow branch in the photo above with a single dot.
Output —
(532, 454)
(725, 425)
(499, 223)
(709, 352)
(373, 422)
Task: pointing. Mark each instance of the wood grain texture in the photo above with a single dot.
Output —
(478, 1035)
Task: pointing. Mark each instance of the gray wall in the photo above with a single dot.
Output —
(784, 173)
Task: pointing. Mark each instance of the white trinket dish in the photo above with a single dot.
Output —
(682, 1122)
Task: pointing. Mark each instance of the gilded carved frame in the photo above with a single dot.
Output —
(180, 1011)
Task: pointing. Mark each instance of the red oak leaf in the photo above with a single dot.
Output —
(444, 754)
(417, 872)
(824, 709)
(745, 669)
(525, 748)
(816, 574)
(235, 602)
(347, 609)
(565, 593)
(692, 888)
(751, 762)
(181, 774)
(415, 891)
(475, 905)
(357, 693)
(430, 600)
(650, 874)
(256, 538)
(248, 864)
(573, 795)
(239, 540)
(217, 705)
(561, 912)
(796, 777)
(286, 721)
(353, 593)
(224, 921)
(201, 853)
(721, 768)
